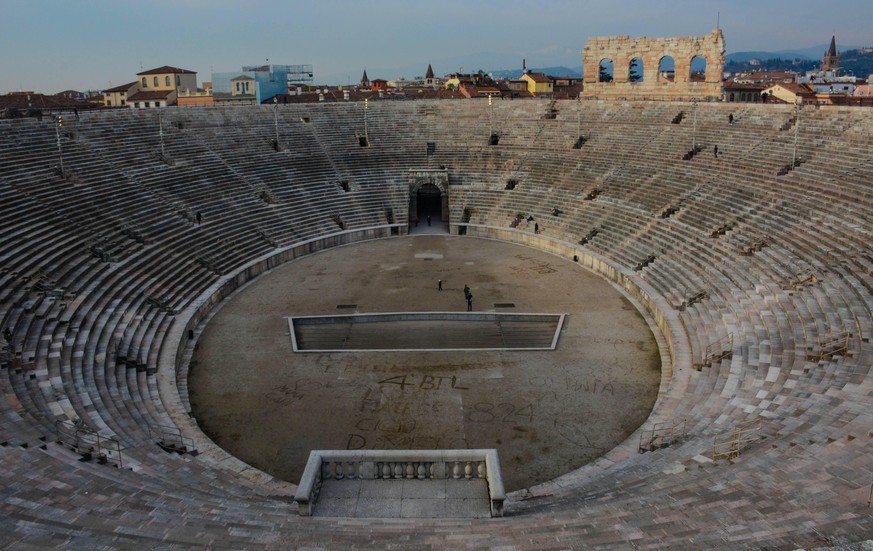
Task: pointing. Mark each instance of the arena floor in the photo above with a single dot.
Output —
(547, 412)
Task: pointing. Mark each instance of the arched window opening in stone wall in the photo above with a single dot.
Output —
(636, 70)
(667, 69)
(607, 70)
(698, 69)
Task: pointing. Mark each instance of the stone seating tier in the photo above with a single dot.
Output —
(90, 331)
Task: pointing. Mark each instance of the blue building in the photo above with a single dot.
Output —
(268, 80)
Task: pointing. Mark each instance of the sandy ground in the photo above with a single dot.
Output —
(547, 412)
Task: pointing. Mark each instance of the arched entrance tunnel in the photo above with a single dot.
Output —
(429, 203)
(429, 196)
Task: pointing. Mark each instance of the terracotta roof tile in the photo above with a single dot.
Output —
(539, 77)
(122, 88)
(150, 95)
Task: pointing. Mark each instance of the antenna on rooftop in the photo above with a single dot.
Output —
(718, 20)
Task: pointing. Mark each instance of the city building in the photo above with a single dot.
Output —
(538, 83)
(744, 92)
(765, 77)
(789, 93)
(828, 79)
(264, 82)
(117, 96)
(831, 60)
(161, 86)
(429, 79)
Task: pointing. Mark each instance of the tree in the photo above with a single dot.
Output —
(634, 75)
(604, 72)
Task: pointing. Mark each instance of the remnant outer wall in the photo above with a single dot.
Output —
(622, 49)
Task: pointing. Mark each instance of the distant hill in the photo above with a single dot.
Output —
(771, 64)
(742, 57)
(858, 62)
(813, 53)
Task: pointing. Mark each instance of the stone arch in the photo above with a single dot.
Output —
(697, 68)
(424, 182)
(650, 51)
(606, 70)
(636, 70)
(667, 69)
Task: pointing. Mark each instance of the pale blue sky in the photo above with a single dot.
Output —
(52, 45)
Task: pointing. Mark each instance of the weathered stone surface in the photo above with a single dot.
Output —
(621, 50)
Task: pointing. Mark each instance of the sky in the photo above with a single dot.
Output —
(53, 45)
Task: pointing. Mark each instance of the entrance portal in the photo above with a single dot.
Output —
(429, 197)
(428, 203)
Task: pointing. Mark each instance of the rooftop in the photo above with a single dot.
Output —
(167, 69)
(122, 88)
(150, 95)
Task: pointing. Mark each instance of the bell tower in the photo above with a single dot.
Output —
(831, 60)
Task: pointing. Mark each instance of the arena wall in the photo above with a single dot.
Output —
(621, 50)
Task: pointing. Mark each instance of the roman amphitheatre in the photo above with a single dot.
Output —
(743, 281)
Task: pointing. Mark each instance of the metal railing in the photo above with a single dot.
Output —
(171, 438)
(731, 444)
(89, 443)
(662, 435)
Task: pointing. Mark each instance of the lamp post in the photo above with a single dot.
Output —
(58, 125)
(579, 114)
(694, 124)
(276, 120)
(490, 116)
(161, 134)
(366, 106)
(796, 129)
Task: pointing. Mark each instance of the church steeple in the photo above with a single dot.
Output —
(831, 60)
(365, 82)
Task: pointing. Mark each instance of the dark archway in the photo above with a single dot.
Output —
(429, 203)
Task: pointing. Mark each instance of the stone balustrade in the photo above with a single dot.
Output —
(393, 465)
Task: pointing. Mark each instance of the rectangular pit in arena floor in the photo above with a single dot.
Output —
(409, 331)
